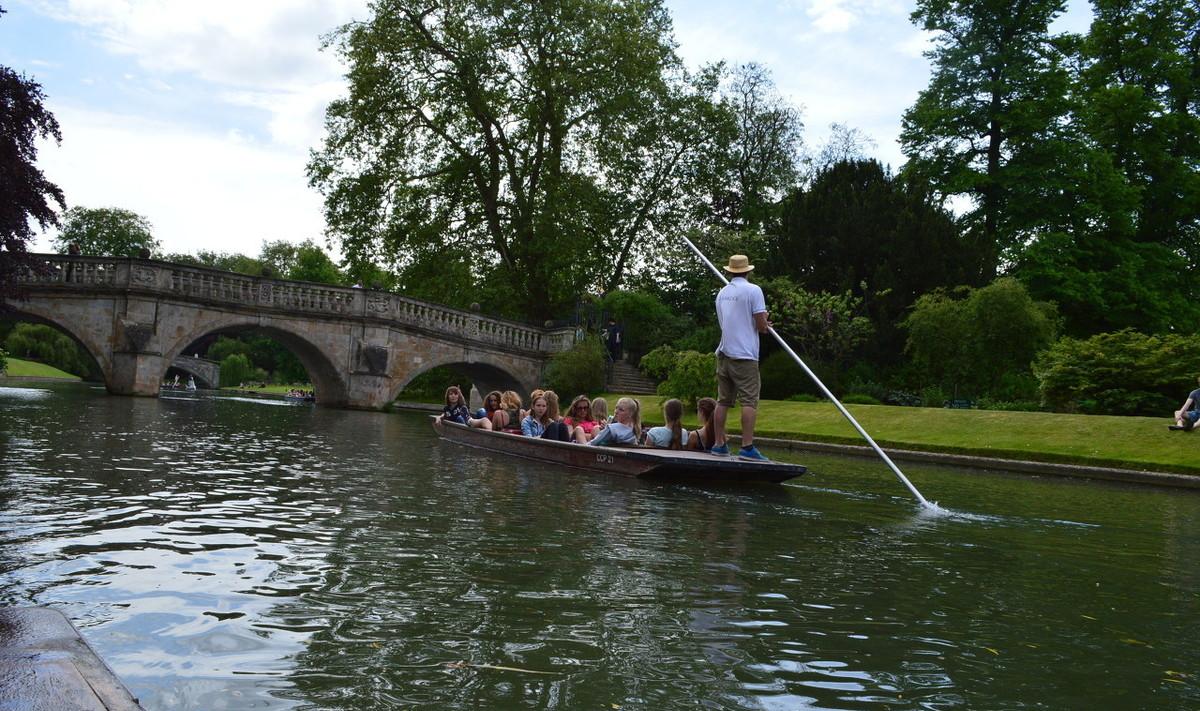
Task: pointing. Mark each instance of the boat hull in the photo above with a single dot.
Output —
(639, 462)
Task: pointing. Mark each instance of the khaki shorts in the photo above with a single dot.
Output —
(737, 379)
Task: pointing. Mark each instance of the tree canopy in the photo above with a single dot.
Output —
(547, 138)
(106, 232)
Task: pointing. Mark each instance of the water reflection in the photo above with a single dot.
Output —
(228, 554)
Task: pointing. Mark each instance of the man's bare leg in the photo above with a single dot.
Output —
(749, 416)
(719, 416)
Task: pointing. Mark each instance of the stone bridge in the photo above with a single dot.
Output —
(360, 347)
(206, 372)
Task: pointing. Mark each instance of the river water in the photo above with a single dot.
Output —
(222, 553)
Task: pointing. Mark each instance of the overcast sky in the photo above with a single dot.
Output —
(200, 115)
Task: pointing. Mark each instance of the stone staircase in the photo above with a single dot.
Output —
(627, 379)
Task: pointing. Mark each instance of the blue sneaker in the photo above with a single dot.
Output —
(721, 450)
(751, 453)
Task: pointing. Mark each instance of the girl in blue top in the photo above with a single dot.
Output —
(626, 427)
(534, 424)
(455, 409)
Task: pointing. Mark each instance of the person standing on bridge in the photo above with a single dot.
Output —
(742, 315)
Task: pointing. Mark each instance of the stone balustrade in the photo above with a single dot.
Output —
(319, 300)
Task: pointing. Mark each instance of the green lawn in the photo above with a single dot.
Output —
(32, 369)
(1131, 442)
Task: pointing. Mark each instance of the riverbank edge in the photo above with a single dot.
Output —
(37, 379)
(1020, 466)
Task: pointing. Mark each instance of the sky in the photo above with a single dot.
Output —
(200, 116)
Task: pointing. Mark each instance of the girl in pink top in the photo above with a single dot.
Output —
(579, 418)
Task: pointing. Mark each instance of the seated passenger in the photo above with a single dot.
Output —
(702, 439)
(579, 416)
(672, 435)
(627, 425)
(534, 424)
(455, 407)
(483, 419)
(509, 414)
(556, 429)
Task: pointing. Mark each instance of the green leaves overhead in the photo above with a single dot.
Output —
(547, 137)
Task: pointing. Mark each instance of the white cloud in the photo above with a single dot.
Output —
(200, 191)
(832, 15)
(264, 54)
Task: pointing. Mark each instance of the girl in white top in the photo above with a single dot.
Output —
(626, 427)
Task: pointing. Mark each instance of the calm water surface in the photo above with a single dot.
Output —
(225, 553)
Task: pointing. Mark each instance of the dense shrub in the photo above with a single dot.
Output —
(3, 361)
(1121, 373)
(692, 376)
(701, 338)
(657, 363)
(579, 370)
(970, 341)
(782, 378)
(647, 321)
(985, 403)
(45, 344)
(804, 397)
(859, 399)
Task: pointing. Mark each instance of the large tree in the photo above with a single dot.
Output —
(106, 232)
(549, 139)
(1140, 103)
(25, 194)
(858, 229)
(757, 153)
(991, 124)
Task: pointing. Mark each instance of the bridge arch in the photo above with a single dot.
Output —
(85, 339)
(485, 374)
(325, 375)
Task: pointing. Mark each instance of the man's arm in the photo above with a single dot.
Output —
(1187, 405)
(761, 323)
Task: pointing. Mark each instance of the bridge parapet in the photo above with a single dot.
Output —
(293, 297)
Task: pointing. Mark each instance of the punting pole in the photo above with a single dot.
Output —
(846, 413)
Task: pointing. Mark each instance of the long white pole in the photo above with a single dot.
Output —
(846, 413)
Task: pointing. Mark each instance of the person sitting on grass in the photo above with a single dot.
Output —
(704, 437)
(455, 407)
(534, 424)
(483, 418)
(1186, 416)
(626, 429)
(672, 435)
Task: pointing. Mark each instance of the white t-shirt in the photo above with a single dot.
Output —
(737, 302)
(661, 437)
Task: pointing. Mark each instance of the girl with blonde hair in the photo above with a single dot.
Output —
(626, 427)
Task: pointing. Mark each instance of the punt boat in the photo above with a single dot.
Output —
(639, 462)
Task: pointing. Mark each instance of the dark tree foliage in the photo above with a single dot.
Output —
(25, 193)
(882, 238)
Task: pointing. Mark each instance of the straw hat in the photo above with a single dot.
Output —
(739, 264)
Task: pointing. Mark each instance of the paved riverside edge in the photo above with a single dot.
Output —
(46, 664)
(1084, 471)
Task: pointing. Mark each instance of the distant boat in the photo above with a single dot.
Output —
(639, 462)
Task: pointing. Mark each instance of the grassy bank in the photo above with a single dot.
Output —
(1099, 440)
(18, 368)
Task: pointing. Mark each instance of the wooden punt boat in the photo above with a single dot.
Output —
(640, 462)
